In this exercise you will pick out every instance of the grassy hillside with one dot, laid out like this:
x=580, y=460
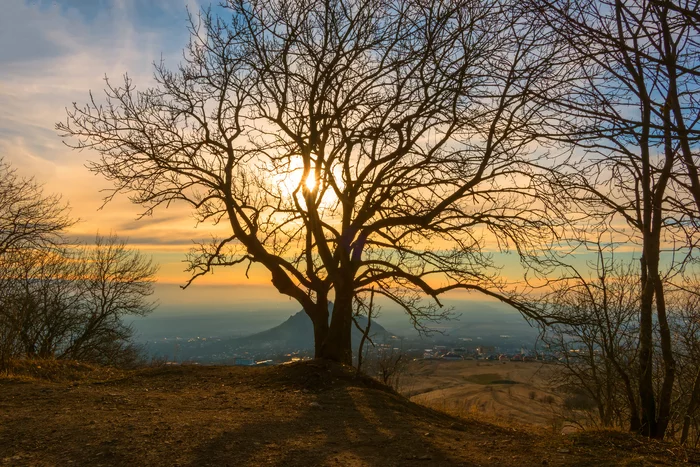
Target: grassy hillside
x=510, y=392
x=305, y=414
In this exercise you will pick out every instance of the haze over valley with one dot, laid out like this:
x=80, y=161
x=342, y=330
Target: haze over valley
x=188, y=322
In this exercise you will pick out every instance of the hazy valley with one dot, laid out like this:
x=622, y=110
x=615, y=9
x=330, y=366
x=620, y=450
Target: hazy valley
x=240, y=327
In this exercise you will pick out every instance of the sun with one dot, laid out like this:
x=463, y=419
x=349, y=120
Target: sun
x=310, y=181
x=292, y=181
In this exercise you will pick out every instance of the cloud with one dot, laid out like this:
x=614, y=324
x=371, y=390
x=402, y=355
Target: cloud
x=180, y=239
x=60, y=50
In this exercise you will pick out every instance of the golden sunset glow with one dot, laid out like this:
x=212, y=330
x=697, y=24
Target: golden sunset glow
x=310, y=181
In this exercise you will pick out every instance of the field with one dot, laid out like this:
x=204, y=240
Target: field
x=510, y=392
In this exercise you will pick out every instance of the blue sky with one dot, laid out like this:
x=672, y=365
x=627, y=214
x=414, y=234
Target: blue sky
x=53, y=53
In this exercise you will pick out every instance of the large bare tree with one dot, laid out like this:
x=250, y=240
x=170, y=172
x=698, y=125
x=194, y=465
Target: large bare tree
x=346, y=144
x=631, y=110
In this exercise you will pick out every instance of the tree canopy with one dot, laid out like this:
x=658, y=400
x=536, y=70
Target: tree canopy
x=348, y=144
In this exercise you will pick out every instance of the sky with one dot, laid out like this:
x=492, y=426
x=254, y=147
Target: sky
x=59, y=51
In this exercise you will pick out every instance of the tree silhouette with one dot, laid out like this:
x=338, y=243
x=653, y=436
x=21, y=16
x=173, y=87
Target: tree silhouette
x=28, y=218
x=631, y=110
x=348, y=144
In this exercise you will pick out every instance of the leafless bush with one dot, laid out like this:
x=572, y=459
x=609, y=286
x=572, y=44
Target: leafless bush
x=59, y=300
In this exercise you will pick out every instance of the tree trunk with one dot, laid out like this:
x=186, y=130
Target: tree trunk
x=692, y=407
x=646, y=345
x=635, y=424
x=338, y=344
x=319, y=318
x=365, y=331
x=666, y=393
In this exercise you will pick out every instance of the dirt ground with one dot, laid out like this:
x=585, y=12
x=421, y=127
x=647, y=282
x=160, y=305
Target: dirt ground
x=305, y=414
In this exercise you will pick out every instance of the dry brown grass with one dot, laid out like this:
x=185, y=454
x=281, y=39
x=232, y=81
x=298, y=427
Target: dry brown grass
x=505, y=393
x=59, y=371
x=308, y=414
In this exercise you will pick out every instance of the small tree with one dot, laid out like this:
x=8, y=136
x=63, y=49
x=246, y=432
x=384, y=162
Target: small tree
x=70, y=302
x=347, y=144
x=29, y=221
x=596, y=338
x=391, y=364
x=684, y=308
x=28, y=218
x=114, y=282
x=57, y=299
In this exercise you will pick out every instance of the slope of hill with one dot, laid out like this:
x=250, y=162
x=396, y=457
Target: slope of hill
x=518, y=392
x=298, y=333
x=306, y=414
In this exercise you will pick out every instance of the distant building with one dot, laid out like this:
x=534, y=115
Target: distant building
x=452, y=356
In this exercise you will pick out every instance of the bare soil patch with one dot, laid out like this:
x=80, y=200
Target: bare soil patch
x=307, y=414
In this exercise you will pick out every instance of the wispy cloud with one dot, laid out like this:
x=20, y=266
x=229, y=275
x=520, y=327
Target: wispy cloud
x=59, y=50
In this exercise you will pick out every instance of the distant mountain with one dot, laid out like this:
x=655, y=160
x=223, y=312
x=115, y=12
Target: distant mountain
x=298, y=333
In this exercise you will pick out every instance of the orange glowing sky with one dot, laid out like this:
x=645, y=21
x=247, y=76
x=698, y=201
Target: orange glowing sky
x=60, y=50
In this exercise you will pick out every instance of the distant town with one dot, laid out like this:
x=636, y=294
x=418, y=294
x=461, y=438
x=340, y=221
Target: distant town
x=223, y=351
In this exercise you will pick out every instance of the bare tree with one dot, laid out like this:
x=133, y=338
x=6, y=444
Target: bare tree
x=684, y=309
x=596, y=337
x=631, y=109
x=346, y=144
x=28, y=218
x=115, y=282
x=70, y=302
x=59, y=299
x=45, y=299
